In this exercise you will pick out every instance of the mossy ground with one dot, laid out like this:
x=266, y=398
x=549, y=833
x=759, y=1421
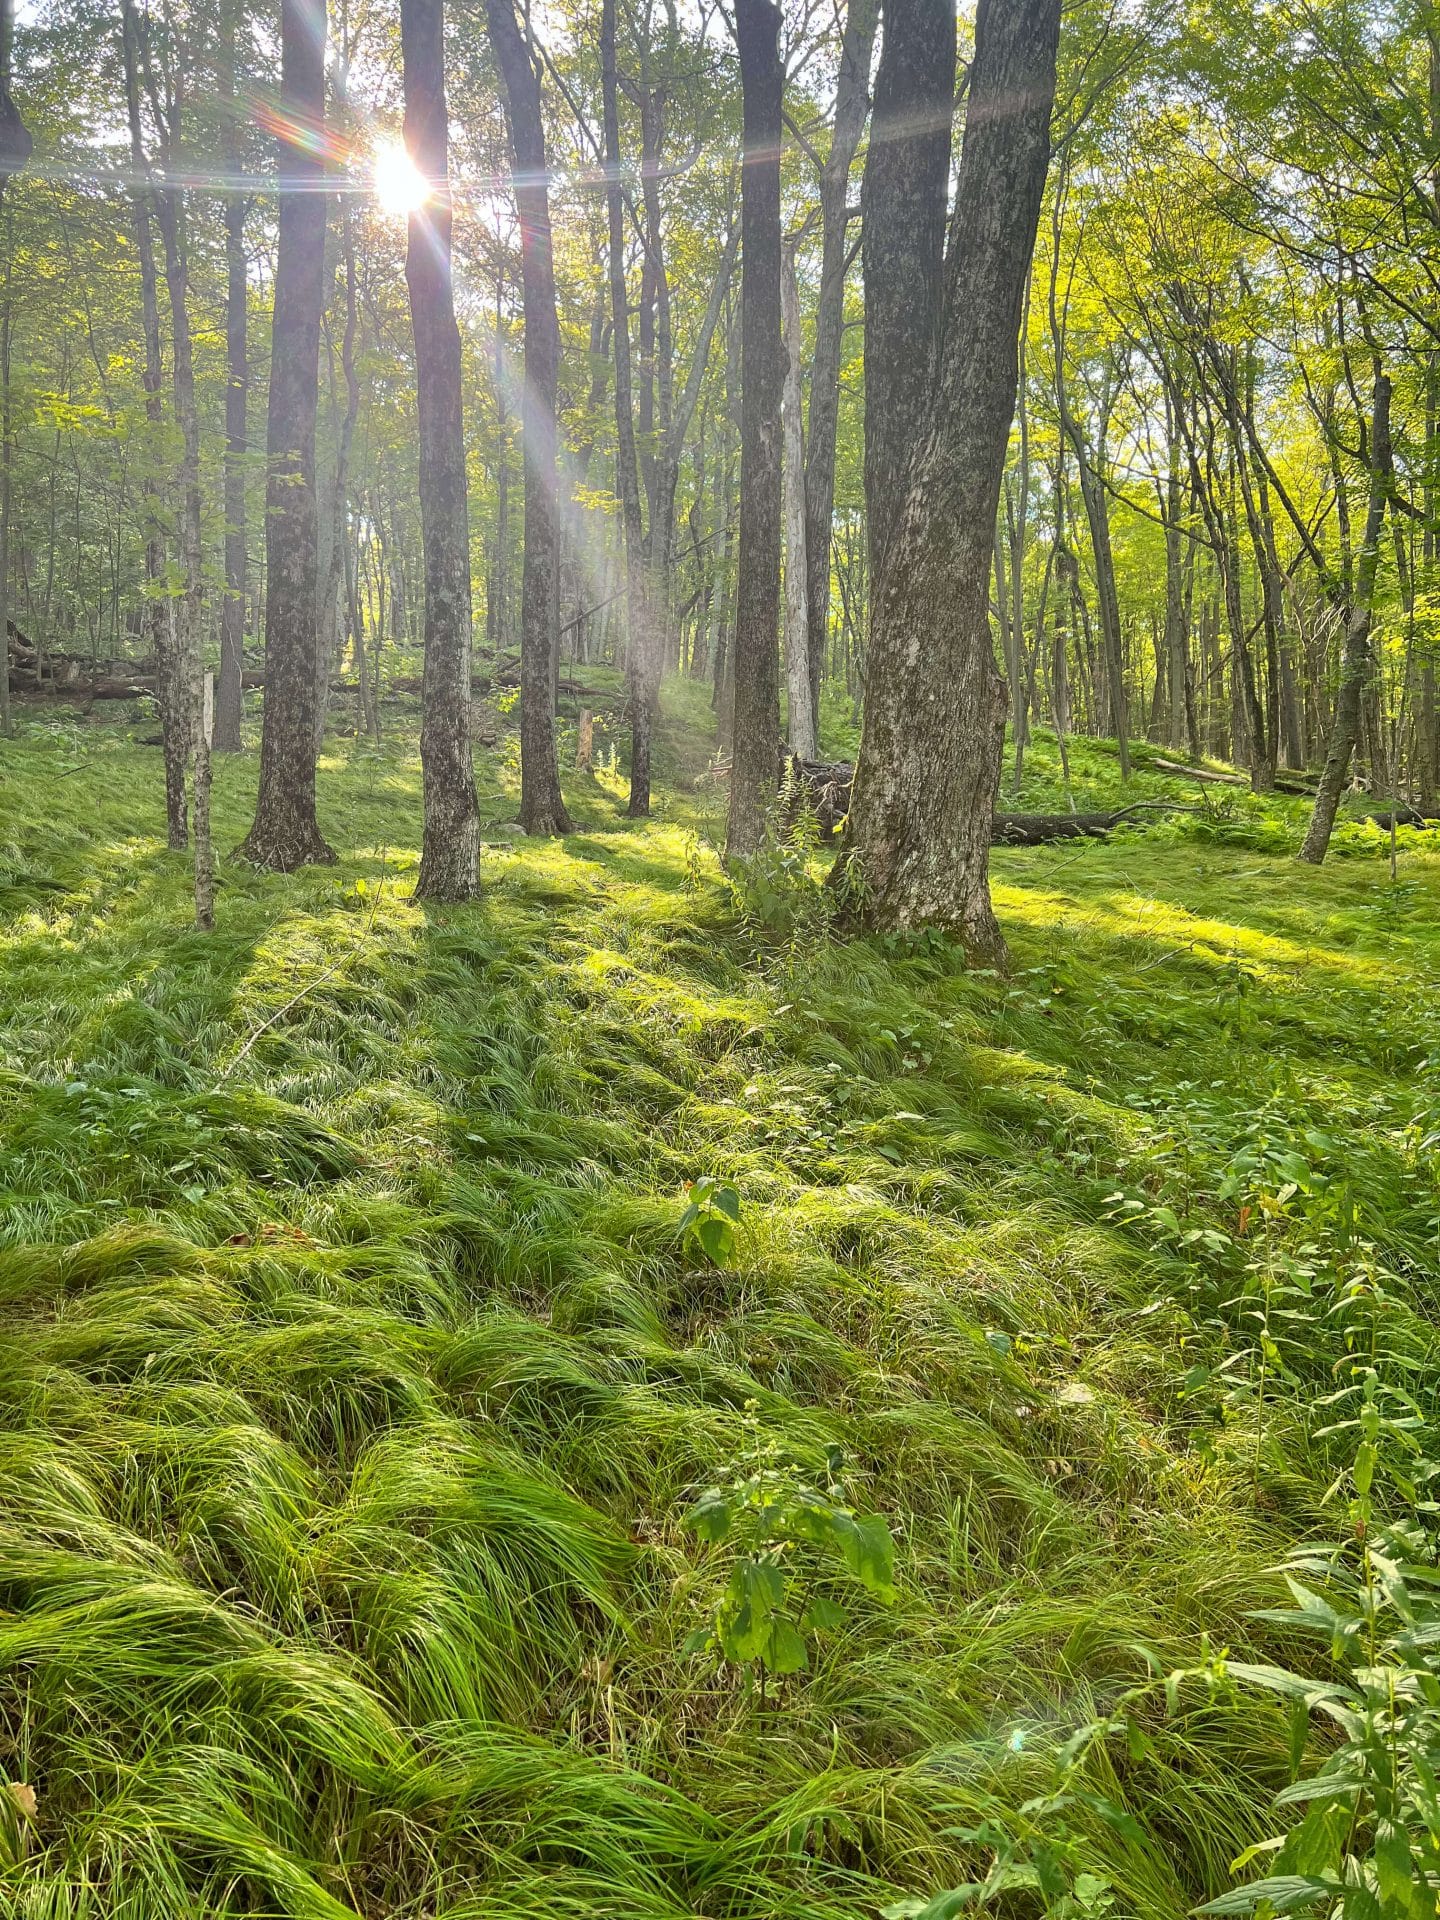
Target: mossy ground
x=355, y=1383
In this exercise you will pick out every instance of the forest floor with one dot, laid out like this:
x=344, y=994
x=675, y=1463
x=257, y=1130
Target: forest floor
x=357, y=1373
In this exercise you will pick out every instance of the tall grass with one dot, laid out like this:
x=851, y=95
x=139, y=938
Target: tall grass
x=356, y=1378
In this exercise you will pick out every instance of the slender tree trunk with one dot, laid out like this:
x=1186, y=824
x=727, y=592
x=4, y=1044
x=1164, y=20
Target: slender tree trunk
x=15, y=141
x=7, y=718
x=286, y=833
x=169, y=688
x=929, y=762
x=229, y=693
x=852, y=103
x=542, y=809
x=450, y=853
x=801, y=733
x=1357, y=660
x=639, y=641
x=756, y=662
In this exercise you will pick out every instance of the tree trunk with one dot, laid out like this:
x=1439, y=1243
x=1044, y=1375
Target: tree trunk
x=929, y=765
x=15, y=141
x=169, y=689
x=542, y=809
x=450, y=852
x=229, y=693
x=639, y=641
x=756, y=661
x=286, y=833
x=801, y=732
x=1357, y=661
x=7, y=719
x=852, y=103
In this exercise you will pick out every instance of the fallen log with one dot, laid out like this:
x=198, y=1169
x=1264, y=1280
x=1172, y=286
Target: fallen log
x=1037, y=829
x=824, y=785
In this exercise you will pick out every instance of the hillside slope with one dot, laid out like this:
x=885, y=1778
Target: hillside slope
x=357, y=1377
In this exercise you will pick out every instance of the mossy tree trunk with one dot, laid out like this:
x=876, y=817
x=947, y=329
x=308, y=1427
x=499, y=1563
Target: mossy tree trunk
x=450, y=851
x=286, y=833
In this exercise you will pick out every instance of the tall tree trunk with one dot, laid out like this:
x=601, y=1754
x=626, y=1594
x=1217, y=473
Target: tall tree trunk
x=450, y=852
x=801, y=733
x=16, y=144
x=756, y=658
x=169, y=688
x=852, y=103
x=1357, y=660
x=7, y=719
x=639, y=641
x=286, y=833
x=1176, y=644
x=542, y=809
x=229, y=692
x=929, y=762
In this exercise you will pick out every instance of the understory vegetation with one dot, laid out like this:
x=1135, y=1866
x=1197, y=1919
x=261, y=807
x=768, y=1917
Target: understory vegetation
x=420, y=1325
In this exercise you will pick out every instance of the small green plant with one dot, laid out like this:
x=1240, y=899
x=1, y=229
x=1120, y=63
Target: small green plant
x=776, y=890
x=1367, y=1844
x=711, y=1220
x=785, y=1535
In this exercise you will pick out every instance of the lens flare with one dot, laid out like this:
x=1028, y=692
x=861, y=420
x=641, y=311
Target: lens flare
x=400, y=187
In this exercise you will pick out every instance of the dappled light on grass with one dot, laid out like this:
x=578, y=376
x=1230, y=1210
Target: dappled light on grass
x=359, y=1377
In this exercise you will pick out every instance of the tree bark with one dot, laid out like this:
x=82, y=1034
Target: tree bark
x=852, y=103
x=450, y=852
x=929, y=764
x=1357, y=660
x=800, y=697
x=229, y=692
x=639, y=641
x=169, y=688
x=756, y=663
x=542, y=809
x=286, y=833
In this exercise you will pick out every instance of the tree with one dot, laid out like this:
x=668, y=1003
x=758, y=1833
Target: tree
x=450, y=854
x=229, y=691
x=852, y=103
x=1357, y=660
x=756, y=666
x=918, y=842
x=542, y=807
x=286, y=833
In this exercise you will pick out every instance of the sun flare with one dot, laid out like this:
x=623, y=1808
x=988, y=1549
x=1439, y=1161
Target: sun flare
x=400, y=187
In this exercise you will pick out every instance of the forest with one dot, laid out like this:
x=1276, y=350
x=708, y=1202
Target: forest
x=719, y=959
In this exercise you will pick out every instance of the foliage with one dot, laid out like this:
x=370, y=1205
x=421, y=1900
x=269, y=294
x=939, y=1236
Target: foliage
x=782, y=1529
x=355, y=1390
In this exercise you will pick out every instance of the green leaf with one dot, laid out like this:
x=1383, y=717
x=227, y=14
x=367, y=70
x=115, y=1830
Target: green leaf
x=727, y=1201
x=785, y=1649
x=1286, y=1892
x=821, y=1615
x=711, y=1515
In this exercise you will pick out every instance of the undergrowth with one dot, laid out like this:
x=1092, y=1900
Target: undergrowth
x=363, y=1367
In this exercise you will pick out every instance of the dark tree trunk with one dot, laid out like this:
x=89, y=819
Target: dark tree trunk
x=542, y=808
x=229, y=694
x=286, y=833
x=450, y=852
x=756, y=659
x=852, y=101
x=1357, y=660
x=929, y=765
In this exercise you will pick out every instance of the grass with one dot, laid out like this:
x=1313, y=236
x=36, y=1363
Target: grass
x=355, y=1381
